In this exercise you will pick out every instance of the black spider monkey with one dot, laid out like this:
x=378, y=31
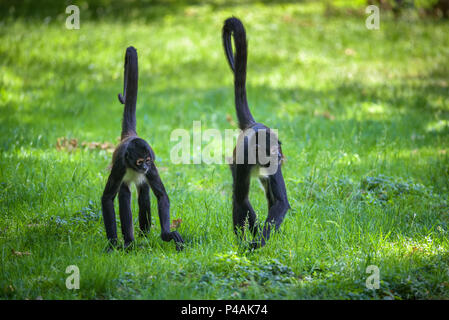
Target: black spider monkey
x=133, y=162
x=273, y=182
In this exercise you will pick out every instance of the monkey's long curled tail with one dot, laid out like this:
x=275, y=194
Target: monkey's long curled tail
x=129, y=98
x=234, y=26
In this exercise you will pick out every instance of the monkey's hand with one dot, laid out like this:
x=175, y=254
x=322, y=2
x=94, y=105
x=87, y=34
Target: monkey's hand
x=176, y=237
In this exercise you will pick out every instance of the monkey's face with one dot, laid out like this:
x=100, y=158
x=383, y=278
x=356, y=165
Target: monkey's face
x=138, y=156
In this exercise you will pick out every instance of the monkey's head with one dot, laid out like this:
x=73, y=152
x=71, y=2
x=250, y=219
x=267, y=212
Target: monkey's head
x=138, y=155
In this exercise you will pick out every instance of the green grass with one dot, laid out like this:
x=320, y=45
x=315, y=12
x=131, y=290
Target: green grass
x=364, y=121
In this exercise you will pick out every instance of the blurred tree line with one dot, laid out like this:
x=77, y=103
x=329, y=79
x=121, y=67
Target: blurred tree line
x=94, y=9
x=150, y=9
x=435, y=8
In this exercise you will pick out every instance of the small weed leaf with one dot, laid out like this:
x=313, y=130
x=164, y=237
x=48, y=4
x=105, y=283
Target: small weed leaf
x=232, y=258
x=244, y=272
x=381, y=189
x=87, y=216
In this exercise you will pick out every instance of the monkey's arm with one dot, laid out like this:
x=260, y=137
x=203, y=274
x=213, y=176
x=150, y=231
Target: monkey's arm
x=278, y=209
x=163, y=206
x=107, y=201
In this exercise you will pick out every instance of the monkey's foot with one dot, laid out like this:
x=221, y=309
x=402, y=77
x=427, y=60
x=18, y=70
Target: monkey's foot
x=257, y=244
x=112, y=245
x=144, y=232
x=128, y=246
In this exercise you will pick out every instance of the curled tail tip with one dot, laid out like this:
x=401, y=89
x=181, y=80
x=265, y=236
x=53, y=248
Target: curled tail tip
x=121, y=98
x=234, y=24
x=232, y=20
x=234, y=27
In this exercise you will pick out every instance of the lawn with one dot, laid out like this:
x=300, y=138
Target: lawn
x=363, y=116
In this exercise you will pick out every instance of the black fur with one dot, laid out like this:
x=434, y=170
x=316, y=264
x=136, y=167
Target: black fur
x=273, y=184
x=127, y=157
x=131, y=76
x=234, y=26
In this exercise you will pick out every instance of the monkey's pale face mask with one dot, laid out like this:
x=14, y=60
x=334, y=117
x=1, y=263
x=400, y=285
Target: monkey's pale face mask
x=143, y=164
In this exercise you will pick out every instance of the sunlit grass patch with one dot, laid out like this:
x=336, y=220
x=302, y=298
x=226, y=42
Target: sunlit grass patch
x=362, y=116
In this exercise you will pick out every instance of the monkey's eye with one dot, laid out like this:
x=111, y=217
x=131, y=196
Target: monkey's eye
x=148, y=160
x=139, y=162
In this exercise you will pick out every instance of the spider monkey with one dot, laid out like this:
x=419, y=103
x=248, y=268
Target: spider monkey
x=133, y=162
x=255, y=135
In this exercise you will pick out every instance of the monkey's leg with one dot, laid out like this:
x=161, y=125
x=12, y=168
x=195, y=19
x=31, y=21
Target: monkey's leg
x=268, y=194
x=278, y=209
x=126, y=217
x=107, y=202
x=241, y=206
x=268, y=191
x=144, y=208
x=163, y=207
x=252, y=217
